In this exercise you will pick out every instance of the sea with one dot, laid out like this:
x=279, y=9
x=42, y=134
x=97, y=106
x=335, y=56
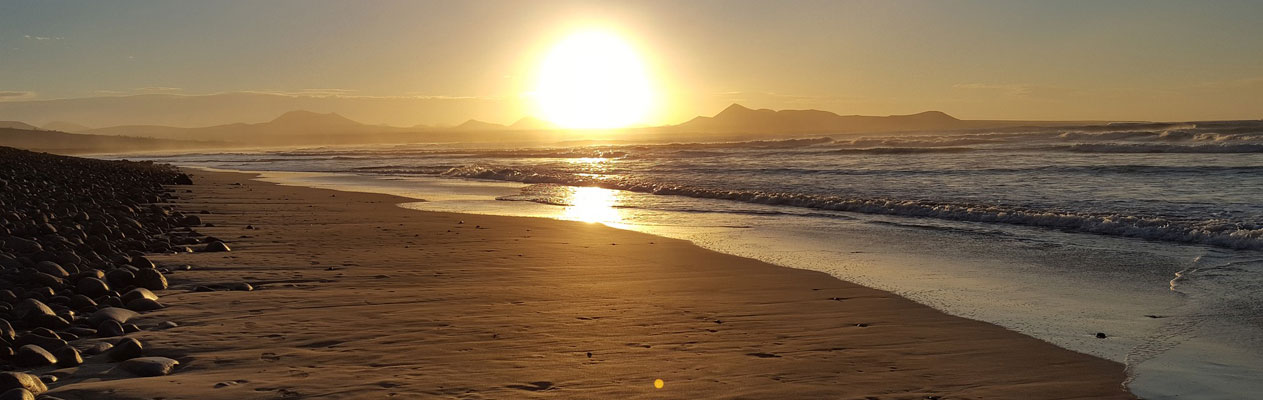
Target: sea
x=1140, y=243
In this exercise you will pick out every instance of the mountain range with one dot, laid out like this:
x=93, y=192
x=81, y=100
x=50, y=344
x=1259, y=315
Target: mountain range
x=313, y=128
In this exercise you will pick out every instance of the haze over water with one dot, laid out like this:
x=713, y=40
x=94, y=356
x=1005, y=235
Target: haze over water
x=1150, y=233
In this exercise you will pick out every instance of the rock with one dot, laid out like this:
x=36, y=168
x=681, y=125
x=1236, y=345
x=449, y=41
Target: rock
x=241, y=286
x=120, y=278
x=68, y=357
x=32, y=356
x=6, y=331
x=109, y=329
x=82, y=303
x=43, y=279
x=167, y=325
x=43, y=341
x=17, y=394
x=182, y=179
x=216, y=246
x=21, y=380
x=92, y=287
x=30, y=308
x=120, y=315
x=1100, y=335
x=191, y=220
x=143, y=304
x=126, y=349
x=97, y=348
x=51, y=268
x=50, y=321
x=151, y=279
x=149, y=366
x=142, y=263
x=139, y=293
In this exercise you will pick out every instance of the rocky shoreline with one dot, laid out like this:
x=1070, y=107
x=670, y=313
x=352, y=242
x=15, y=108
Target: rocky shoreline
x=74, y=276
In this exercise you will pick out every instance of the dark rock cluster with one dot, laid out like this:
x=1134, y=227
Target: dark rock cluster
x=74, y=233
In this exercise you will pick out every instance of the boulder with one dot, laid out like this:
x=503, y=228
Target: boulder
x=21, y=380
x=143, y=304
x=32, y=356
x=120, y=315
x=68, y=357
x=29, y=308
x=92, y=287
x=109, y=328
x=139, y=293
x=126, y=349
x=52, y=268
x=17, y=394
x=149, y=366
x=150, y=279
x=216, y=246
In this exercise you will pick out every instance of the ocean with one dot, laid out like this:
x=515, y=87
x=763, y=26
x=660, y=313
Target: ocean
x=1149, y=233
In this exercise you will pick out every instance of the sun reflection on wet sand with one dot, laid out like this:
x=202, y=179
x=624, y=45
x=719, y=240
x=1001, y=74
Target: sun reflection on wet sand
x=592, y=204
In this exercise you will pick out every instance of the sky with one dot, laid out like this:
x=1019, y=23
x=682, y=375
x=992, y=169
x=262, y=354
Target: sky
x=1047, y=60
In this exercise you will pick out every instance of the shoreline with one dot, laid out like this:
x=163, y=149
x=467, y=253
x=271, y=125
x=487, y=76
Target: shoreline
x=512, y=306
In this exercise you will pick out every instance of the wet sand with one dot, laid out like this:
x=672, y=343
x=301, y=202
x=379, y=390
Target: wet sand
x=356, y=297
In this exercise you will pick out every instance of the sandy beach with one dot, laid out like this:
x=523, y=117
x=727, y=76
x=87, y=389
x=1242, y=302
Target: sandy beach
x=355, y=297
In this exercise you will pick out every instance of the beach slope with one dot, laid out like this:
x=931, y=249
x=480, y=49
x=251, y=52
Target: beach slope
x=355, y=297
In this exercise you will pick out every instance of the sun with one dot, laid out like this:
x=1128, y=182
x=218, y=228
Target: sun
x=593, y=80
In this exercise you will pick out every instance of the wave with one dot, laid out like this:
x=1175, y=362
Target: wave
x=1161, y=148
x=902, y=150
x=1215, y=232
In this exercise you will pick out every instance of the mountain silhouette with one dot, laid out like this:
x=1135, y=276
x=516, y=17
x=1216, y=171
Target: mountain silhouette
x=532, y=123
x=17, y=125
x=740, y=119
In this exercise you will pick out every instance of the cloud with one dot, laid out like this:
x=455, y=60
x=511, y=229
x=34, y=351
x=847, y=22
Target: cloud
x=29, y=37
x=1018, y=89
x=13, y=95
x=157, y=89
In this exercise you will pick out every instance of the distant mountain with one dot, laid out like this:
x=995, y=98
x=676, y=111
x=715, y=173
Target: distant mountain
x=476, y=125
x=252, y=107
x=74, y=143
x=532, y=123
x=294, y=127
x=64, y=126
x=738, y=118
x=17, y=125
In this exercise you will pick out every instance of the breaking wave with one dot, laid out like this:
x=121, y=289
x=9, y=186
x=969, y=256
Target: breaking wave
x=1214, y=232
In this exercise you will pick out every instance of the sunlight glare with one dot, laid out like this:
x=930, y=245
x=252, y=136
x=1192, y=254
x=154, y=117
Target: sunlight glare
x=592, y=204
x=593, y=80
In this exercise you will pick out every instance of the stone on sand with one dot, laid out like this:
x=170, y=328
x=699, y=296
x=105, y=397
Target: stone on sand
x=68, y=356
x=21, y=380
x=126, y=349
x=216, y=246
x=149, y=366
x=139, y=293
x=109, y=328
x=17, y=394
x=92, y=287
x=151, y=279
x=120, y=315
x=33, y=356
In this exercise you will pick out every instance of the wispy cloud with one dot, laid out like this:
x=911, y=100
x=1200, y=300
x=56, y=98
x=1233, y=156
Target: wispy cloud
x=32, y=37
x=13, y=95
x=157, y=89
x=1017, y=89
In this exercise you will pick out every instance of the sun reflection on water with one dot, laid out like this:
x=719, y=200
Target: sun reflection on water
x=592, y=204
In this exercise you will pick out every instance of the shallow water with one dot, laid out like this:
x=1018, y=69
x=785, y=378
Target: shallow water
x=1148, y=233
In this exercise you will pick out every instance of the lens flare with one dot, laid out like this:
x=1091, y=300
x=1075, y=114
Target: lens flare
x=593, y=80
